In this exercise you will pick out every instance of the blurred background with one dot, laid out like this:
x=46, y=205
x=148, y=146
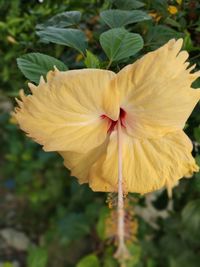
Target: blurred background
x=46, y=217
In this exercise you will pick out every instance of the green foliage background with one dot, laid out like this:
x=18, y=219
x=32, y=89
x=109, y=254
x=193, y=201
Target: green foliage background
x=64, y=221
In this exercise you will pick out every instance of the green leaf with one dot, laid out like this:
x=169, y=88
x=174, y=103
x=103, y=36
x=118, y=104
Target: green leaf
x=196, y=83
x=33, y=65
x=115, y=18
x=70, y=37
x=191, y=216
x=91, y=61
x=109, y=260
x=7, y=264
x=101, y=224
x=135, y=254
x=172, y=23
x=160, y=34
x=37, y=257
x=89, y=261
x=73, y=226
x=160, y=6
x=128, y=4
x=119, y=44
x=188, y=43
x=196, y=181
x=197, y=134
x=62, y=20
x=151, y=263
x=197, y=158
x=188, y=258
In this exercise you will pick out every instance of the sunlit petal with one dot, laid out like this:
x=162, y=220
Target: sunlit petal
x=81, y=163
x=156, y=92
x=64, y=113
x=148, y=164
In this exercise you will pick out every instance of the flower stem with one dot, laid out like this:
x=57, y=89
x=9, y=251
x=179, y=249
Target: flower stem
x=122, y=251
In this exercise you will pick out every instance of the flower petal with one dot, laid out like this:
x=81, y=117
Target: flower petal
x=156, y=92
x=80, y=163
x=64, y=114
x=148, y=164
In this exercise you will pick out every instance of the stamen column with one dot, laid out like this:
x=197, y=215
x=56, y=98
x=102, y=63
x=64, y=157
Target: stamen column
x=122, y=252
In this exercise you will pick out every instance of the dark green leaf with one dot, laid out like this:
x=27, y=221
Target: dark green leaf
x=191, y=216
x=196, y=83
x=160, y=34
x=128, y=4
x=118, y=43
x=89, y=261
x=117, y=18
x=33, y=65
x=70, y=37
x=172, y=22
x=197, y=134
x=62, y=20
x=160, y=6
x=73, y=226
x=188, y=258
x=109, y=260
x=101, y=224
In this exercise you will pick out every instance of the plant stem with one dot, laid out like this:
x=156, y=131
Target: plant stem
x=109, y=64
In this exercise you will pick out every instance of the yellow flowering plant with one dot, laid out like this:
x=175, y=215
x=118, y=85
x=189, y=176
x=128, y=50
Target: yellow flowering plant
x=119, y=131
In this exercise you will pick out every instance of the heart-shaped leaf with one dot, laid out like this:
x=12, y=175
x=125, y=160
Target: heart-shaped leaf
x=33, y=65
x=70, y=37
x=118, y=43
x=61, y=20
x=160, y=34
x=115, y=18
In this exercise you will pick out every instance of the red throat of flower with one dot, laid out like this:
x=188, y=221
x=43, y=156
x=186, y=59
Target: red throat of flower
x=112, y=124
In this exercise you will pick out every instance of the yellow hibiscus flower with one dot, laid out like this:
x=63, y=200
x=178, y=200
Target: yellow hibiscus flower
x=85, y=114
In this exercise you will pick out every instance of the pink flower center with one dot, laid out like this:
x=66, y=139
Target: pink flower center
x=112, y=123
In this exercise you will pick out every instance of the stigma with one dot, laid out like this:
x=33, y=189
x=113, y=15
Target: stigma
x=112, y=124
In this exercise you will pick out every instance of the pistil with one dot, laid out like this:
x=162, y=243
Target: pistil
x=122, y=252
